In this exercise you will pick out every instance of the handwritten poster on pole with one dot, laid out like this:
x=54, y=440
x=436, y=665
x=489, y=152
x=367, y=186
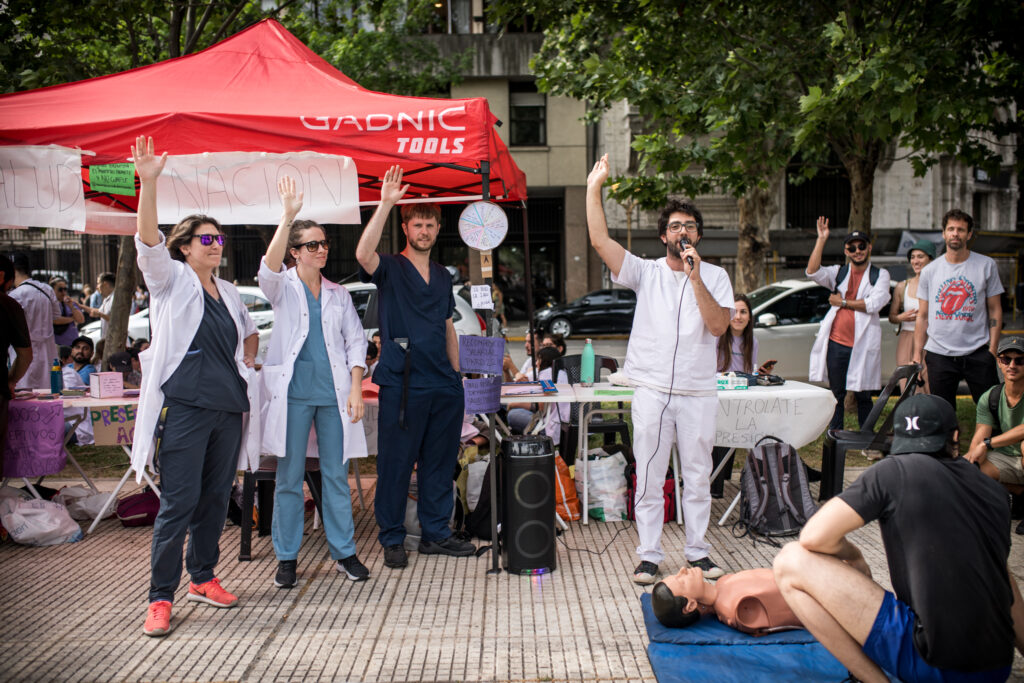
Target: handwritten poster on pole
x=113, y=178
x=483, y=395
x=41, y=187
x=241, y=187
x=482, y=297
x=35, y=439
x=113, y=425
x=481, y=354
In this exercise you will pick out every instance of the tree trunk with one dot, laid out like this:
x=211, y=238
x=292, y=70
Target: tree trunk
x=861, y=164
x=124, y=290
x=757, y=209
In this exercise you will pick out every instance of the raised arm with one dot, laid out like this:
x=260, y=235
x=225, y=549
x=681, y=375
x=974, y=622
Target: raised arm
x=291, y=203
x=610, y=251
x=149, y=167
x=391, y=190
x=814, y=261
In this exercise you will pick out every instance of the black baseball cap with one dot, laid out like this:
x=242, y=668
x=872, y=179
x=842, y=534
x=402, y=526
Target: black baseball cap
x=922, y=424
x=857, y=235
x=1011, y=343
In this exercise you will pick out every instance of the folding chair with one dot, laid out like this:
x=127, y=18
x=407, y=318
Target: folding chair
x=570, y=430
x=838, y=441
x=261, y=483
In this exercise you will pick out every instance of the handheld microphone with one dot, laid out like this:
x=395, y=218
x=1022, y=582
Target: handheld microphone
x=685, y=243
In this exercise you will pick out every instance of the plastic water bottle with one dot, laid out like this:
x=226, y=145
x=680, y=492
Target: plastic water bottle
x=587, y=365
x=56, y=377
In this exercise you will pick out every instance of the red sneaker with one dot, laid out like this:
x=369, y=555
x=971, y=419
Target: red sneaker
x=211, y=593
x=158, y=619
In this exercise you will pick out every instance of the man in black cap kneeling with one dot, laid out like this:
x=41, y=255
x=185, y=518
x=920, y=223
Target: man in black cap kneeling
x=956, y=613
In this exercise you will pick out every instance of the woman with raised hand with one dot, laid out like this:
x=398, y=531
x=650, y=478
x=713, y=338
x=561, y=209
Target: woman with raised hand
x=313, y=373
x=197, y=389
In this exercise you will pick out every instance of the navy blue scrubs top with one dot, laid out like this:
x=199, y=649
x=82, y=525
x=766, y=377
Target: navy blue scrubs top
x=411, y=308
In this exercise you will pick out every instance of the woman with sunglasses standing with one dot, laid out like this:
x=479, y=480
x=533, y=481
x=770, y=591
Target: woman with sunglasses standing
x=65, y=328
x=313, y=374
x=197, y=389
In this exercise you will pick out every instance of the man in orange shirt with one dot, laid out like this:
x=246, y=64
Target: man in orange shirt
x=845, y=351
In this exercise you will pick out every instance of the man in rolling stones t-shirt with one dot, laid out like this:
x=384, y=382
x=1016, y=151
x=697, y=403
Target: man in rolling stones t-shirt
x=959, y=314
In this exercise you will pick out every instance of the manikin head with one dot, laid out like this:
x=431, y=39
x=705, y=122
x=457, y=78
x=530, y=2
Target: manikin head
x=421, y=223
x=680, y=601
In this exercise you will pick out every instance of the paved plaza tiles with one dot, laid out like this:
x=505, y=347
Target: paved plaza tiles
x=74, y=612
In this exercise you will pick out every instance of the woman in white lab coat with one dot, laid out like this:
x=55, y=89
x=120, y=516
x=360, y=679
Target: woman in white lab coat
x=194, y=424
x=313, y=375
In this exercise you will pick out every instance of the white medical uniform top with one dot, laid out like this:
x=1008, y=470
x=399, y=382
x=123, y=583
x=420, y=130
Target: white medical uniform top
x=667, y=319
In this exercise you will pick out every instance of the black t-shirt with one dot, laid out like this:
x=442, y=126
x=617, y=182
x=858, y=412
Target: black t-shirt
x=411, y=308
x=945, y=527
x=13, y=333
x=208, y=375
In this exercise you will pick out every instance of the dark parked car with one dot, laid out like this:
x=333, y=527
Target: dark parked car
x=604, y=310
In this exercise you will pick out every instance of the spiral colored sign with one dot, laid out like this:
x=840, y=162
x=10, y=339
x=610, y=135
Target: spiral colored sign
x=483, y=225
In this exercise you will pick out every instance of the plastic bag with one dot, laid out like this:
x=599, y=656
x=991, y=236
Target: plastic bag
x=38, y=522
x=606, y=501
x=83, y=503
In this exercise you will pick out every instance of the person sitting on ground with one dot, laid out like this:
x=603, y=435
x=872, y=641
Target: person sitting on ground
x=996, y=446
x=520, y=414
x=371, y=359
x=81, y=358
x=127, y=363
x=749, y=601
x=957, y=611
x=140, y=345
x=67, y=369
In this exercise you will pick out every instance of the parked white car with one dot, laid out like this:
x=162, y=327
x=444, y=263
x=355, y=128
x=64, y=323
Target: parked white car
x=787, y=316
x=253, y=298
x=364, y=296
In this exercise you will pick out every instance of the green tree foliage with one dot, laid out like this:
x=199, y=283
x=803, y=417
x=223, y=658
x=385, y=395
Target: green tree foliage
x=730, y=90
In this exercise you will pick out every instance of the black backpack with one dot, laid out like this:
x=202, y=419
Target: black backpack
x=993, y=408
x=775, y=499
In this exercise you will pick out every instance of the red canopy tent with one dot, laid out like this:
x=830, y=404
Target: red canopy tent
x=262, y=90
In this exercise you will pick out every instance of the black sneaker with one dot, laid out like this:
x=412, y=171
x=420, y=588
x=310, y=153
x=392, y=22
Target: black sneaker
x=352, y=568
x=285, y=577
x=395, y=557
x=710, y=569
x=645, y=573
x=449, y=546
x=1017, y=506
x=1020, y=529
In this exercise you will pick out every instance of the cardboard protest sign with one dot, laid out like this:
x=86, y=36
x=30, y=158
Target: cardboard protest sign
x=481, y=354
x=113, y=425
x=483, y=395
x=35, y=439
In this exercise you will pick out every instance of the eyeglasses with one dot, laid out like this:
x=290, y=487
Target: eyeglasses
x=856, y=246
x=1011, y=360
x=207, y=240
x=676, y=226
x=314, y=246
x=60, y=289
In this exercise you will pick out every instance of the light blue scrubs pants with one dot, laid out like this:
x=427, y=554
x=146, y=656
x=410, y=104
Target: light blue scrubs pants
x=289, y=500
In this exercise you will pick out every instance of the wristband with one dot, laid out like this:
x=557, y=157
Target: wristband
x=988, y=442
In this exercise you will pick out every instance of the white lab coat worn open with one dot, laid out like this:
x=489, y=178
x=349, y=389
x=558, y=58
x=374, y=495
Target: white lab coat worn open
x=865, y=372
x=176, y=310
x=346, y=348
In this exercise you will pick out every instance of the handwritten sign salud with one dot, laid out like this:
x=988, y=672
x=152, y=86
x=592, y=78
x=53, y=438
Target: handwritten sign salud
x=481, y=354
x=241, y=187
x=113, y=425
x=41, y=187
x=35, y=439
x=483, y=395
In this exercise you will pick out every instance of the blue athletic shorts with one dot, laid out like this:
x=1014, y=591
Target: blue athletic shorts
x=890, y=645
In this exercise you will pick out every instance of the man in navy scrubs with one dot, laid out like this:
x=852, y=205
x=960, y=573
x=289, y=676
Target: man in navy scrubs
x=421, y=401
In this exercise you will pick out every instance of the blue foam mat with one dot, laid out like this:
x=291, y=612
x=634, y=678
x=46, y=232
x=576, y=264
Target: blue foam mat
x=712, y=651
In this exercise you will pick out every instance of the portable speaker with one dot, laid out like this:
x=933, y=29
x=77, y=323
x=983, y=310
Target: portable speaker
x=528, y=499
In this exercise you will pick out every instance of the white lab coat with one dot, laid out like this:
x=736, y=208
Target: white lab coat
x=176, y=310
x=346, y=348
x=40, y=305
x=865, y=372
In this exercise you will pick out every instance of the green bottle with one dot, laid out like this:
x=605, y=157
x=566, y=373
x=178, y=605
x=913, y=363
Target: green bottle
x=587, y=365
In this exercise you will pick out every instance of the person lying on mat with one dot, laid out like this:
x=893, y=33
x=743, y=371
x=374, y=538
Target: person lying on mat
x=748, y=601
x=956, y=613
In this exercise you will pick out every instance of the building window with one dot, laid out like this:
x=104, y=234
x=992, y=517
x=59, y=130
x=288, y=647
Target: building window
x=527, y=115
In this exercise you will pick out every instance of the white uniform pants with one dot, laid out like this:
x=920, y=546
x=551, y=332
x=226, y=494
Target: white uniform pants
x=659, y=419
